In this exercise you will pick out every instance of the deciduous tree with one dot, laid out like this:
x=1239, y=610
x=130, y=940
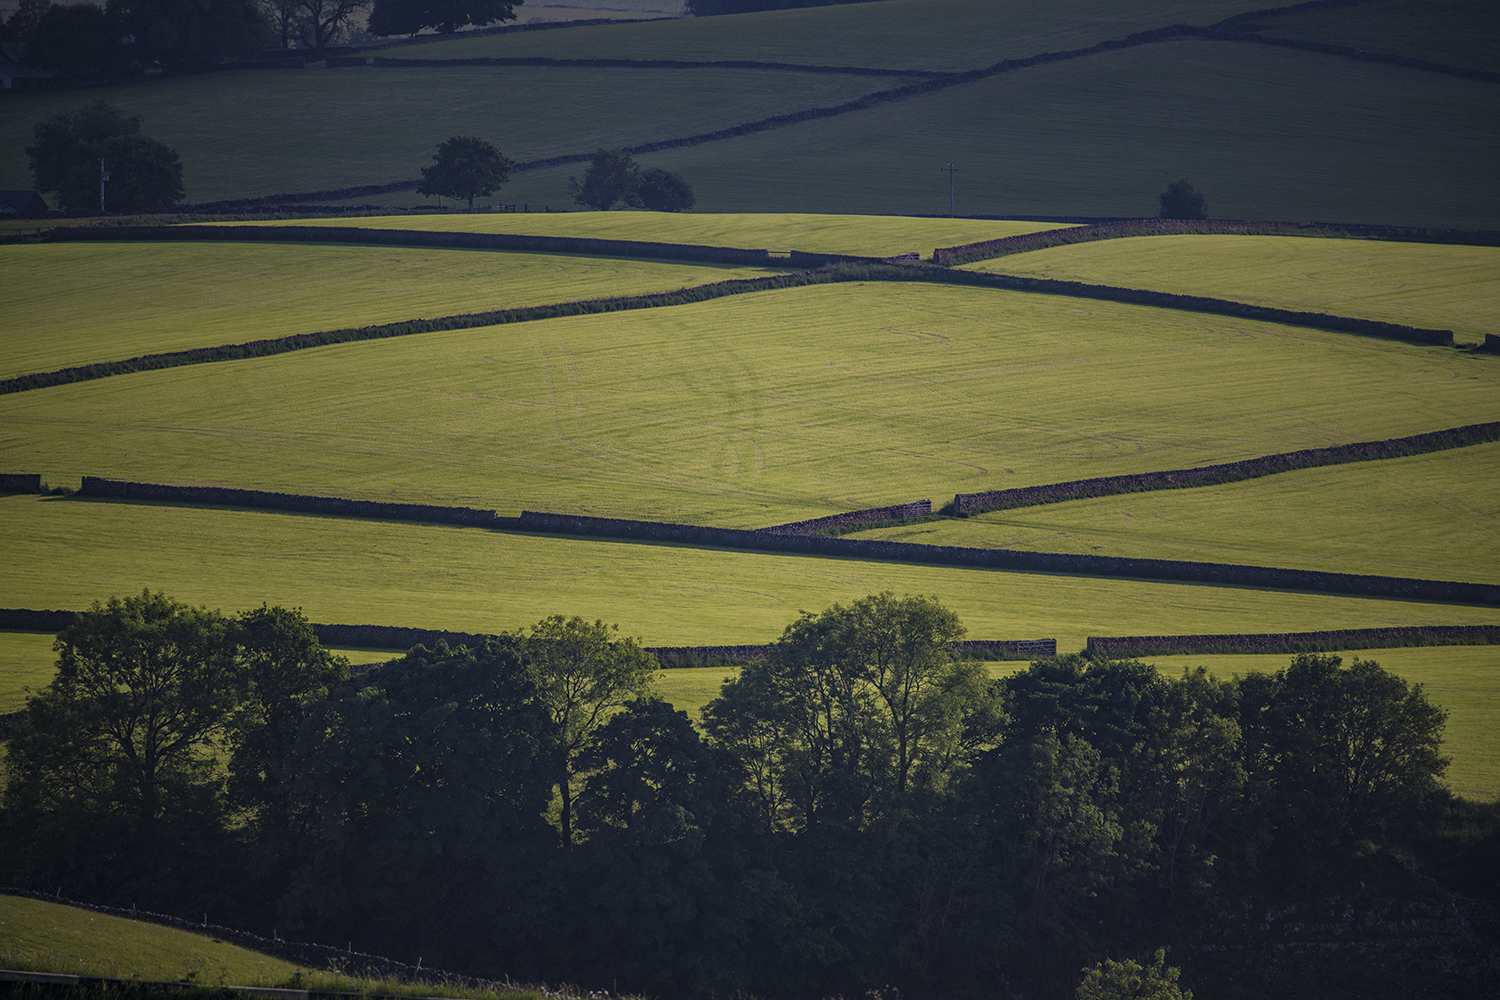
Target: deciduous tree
x=144, y=174
x=1182, y=201
x=465, y=167
x=407, y=17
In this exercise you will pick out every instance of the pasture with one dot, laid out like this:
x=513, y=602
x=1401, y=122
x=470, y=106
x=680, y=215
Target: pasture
x=67, y=553
x=1410, y=27
x=48, y=937
x=857, y=235
x=729, y=413
x=1420, y=284
x=944, y=35
x=1426, y=516
x=175, y=296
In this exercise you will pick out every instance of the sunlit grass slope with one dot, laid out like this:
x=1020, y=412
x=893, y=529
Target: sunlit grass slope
x=1266, y=133
x=1459, y=679
x=48, y=937
x=729, y=412
x=72, y=304
x=859, y=235
x=946, y=35
x=1420, y=284
x=1428, y=516
x=69, y=553
x=752, y=410
x=272, y=131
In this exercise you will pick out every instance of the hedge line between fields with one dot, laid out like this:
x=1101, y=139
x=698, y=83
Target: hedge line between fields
x=94, y=486
x=381, y=331
x=1228, y=472
x=1225, y=574
x=348, y=62
x=1295, y=642
x=1027, y=242
x=20, y=482
x=870, y=515
x=1183, y=303
x=842, y=269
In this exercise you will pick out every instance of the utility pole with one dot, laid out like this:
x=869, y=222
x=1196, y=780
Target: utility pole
x=951, y=167
x=103, y=176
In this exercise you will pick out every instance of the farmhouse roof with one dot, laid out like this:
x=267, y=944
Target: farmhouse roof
x=15, y=74
x=21, y=205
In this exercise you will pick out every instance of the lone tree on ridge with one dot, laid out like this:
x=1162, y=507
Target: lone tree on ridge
x=465, y=166
x=1182, y=201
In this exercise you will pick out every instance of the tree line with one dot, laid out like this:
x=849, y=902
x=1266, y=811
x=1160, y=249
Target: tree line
x=860, y=810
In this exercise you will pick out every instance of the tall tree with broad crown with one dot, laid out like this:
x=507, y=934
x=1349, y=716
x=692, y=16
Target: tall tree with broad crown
x=465, y=167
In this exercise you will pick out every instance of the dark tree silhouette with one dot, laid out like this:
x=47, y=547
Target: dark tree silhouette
x=465, y=166
x=1181, y=201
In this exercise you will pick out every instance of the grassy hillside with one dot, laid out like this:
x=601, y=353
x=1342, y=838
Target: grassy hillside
x=1428, y=516
x=946, y=35
x=1266, y=133
x=728, y=413
x=858, y=235
x=1454, y=32
x=269, y=131
x=168, y=297
x=1447, y=287
x=68, y=553
x=47, y=937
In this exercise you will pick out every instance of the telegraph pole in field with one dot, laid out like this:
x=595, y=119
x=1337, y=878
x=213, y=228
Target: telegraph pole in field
x=951, y=167
x=103, y=176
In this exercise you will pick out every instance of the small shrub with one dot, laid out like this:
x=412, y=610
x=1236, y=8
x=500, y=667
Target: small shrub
x=1182, y=201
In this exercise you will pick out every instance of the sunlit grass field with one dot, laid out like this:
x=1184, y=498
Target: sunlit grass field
x=1427, y=516
x=1459, y=679
x=752, y=410
x=77, y=303
x=1420, y=284
x=48, y=937
x=67, y=553
x=858, y=235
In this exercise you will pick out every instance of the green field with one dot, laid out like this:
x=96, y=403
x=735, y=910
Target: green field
x=47, y=937
x=859, y=235
x=1266, y=133
x=173, y=296
x=1428, y=516
x=946, y=35
x=1460, y=679
x=1420, y=284
x=264, y=132
x=1453, y=32
x=67, y=553
x=729, y=413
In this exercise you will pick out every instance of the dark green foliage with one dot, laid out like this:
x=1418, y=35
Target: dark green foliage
x=64, y=159
x=78, y=41
x=610, y=180
x=407, y=17
x=1182, y=201
x=419, y=795
x=183, y=33
x=663, y=191
x=465, y=166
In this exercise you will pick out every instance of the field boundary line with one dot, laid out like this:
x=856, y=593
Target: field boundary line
x=970, y=253
x=823, y=269
x=1465, y=436
x=1337, y=640
x=377, y=62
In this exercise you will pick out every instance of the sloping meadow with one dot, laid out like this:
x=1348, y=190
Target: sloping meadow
x=752, y=410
